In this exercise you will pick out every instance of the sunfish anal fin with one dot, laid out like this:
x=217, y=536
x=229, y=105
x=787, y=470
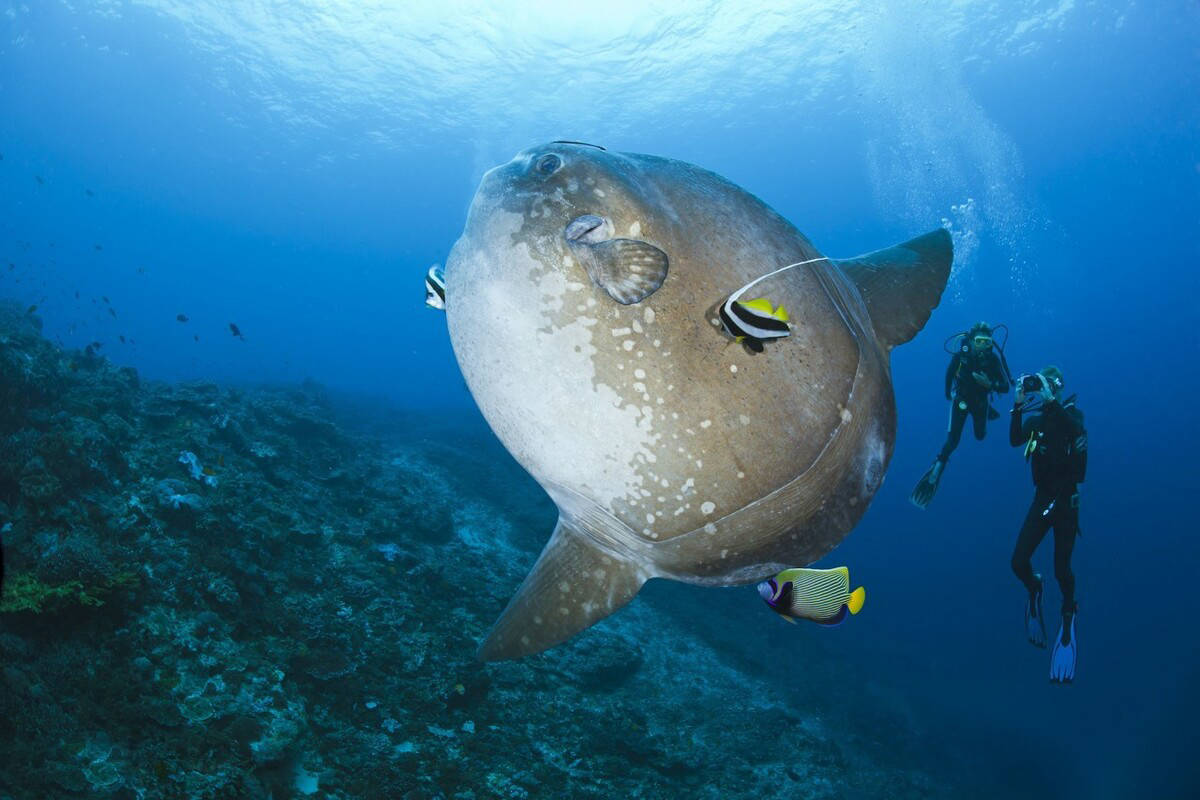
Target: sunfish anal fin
x=903, y=284
x=628, y=269
x=573, y=585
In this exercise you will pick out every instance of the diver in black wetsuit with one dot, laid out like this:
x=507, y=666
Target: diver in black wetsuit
x=976, y=370
x=1055, y=443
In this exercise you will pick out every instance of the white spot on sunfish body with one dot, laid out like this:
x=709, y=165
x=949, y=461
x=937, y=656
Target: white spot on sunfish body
x=708, y=507
x=710, y=528
x=733, y=367
x=621, y=332
x=648, y=315
x=599, y=192
x=650, y=519
x=639, y=373
x=846, y=415
x=635, y=229
x=708, y=422
x=743, y=419
x=506, y=292
x=627, y=345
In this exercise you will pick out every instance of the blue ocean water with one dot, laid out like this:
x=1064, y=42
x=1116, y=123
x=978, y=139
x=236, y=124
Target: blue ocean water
x=295, y=168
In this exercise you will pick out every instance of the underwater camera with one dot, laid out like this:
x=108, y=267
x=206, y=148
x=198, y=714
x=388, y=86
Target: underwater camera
x=1032, y=384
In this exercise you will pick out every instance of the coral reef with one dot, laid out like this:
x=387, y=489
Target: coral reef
x=304, y=624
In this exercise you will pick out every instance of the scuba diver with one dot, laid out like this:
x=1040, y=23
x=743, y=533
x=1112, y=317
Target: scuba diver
x=977, y=369
x=1055, y=443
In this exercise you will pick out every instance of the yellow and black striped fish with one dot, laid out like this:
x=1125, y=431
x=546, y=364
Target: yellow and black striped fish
x=754, y=321
x=820, y=595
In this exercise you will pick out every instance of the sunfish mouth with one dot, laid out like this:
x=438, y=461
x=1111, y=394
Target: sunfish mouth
x=588, y=229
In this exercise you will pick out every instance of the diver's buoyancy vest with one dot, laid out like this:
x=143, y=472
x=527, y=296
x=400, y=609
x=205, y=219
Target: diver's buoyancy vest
x=1059, y=456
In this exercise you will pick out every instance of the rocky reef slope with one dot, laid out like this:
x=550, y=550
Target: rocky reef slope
x=228, y=593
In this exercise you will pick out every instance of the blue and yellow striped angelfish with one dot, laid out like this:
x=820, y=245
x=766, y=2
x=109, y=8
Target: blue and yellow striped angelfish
x=821, y=595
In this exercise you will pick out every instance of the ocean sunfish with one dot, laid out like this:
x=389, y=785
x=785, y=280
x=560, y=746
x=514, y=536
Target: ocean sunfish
x=587, y=287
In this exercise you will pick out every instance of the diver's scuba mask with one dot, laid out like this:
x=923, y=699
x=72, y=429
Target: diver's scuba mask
x=981, y=341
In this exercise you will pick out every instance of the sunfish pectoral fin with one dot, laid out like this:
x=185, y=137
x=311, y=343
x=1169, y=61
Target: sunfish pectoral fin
x=628, y=269
x=573, y=585
x=903, y=284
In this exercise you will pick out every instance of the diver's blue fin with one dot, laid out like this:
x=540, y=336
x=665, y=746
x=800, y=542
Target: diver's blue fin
x=926, y=488
x=1062, y=658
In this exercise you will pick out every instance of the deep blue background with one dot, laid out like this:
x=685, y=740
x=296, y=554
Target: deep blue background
x=209, y=202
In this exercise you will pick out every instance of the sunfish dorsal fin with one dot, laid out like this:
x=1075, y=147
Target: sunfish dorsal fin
x=573, y=585
x=903, y=284
x=628, y=269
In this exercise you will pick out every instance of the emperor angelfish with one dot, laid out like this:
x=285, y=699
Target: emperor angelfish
x=585, y=321
x=820, y=595
x=435, y=288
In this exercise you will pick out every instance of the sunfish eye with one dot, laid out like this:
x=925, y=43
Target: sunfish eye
x=548, y=163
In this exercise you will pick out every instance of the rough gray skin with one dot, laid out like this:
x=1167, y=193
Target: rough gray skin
x=670, y=450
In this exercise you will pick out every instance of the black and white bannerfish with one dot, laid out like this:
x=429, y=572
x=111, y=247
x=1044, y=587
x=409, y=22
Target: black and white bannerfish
x=821, y=595
x=435, y=288
x=753, y=322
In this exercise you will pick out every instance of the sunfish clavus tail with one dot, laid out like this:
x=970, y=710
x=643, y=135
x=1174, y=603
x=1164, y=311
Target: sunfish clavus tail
x=582, y=292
